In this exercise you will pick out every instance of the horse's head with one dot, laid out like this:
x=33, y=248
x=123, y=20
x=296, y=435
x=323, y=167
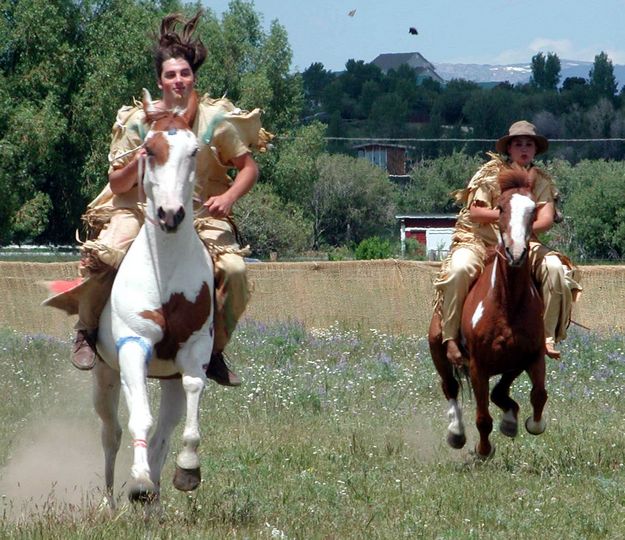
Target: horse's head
x=171, y=146
x=517, y=212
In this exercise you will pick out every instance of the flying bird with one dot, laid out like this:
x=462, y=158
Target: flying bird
x=351, y=13
x=413, y=31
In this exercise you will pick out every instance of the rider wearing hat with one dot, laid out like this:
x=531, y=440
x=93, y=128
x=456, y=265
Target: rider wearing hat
x=477, y=229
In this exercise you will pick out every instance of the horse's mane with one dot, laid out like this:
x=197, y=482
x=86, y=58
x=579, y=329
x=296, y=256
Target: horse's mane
x=168, y=117
x=515, y=177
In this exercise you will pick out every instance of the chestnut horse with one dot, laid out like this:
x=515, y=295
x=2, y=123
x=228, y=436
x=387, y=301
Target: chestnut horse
x=502, y=326
x=159, y=320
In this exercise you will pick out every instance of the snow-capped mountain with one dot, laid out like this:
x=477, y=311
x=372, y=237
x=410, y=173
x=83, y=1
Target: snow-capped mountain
x=517, y=73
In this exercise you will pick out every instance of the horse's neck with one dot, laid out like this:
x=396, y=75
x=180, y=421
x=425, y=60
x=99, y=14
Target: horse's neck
x=169, y=249
x=511, y=284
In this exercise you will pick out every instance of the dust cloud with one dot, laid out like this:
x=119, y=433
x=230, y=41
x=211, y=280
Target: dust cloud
x=57, y=465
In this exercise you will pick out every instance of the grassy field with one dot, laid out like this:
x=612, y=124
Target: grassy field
x=334, y=434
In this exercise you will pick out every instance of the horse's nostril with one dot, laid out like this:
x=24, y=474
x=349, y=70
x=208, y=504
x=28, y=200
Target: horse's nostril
x=160, y=213
x=179, y=216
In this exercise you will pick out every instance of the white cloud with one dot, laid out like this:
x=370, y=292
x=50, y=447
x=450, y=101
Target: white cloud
x=564, y=48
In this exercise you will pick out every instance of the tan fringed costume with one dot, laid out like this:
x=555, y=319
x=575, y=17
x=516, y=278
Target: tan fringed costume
x=554, y=273
x=113, y=221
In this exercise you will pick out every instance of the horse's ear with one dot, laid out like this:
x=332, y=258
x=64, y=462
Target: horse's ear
x=191, y=110
x=148, y=104
x=532, y=175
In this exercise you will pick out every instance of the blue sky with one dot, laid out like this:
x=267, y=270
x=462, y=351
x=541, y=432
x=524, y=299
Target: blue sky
x=457, y=31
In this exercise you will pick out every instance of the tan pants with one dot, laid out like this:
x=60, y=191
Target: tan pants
x=232, y=291
x=102, y=256
x=99, y=263
x=554, y=277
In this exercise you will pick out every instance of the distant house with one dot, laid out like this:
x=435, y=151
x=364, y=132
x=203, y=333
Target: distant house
x=424, y=69
x=389, y=157
x=434, y=231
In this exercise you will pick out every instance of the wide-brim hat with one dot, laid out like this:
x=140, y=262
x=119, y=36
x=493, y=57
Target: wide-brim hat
x=522, y=127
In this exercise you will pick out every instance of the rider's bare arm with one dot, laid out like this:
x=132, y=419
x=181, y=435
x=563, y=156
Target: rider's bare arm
x=479, y=213
x=124, y=179
x=544, y=218
x=221, y=205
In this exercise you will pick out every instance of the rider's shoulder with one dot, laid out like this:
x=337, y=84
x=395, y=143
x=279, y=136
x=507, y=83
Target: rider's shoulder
x=488, y=172
x=223, y=104
x=129, y=115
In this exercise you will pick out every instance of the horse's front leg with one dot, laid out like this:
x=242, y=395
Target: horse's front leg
x=484, y=422
x=187, y=476
x=106, y=387
x=170, y=412
x=536, y=424
x=133, y=357
x=500, y=396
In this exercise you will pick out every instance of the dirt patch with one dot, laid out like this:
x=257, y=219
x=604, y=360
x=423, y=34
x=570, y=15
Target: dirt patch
x=57, y=465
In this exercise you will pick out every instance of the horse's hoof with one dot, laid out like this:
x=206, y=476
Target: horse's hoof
x=509, y=428
x=142, y=492
x=456, y=440
x=535, y=428
x=485, y=457
x=187, y=479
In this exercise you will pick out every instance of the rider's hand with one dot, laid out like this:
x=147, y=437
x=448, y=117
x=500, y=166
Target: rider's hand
x=219, y=206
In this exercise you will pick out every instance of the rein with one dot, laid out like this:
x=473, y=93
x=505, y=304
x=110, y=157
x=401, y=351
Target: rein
x=142, y=170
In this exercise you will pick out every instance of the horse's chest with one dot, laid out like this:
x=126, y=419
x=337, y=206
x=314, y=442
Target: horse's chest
x=178, y=318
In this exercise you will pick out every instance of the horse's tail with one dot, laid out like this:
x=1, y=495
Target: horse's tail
x=461, y=374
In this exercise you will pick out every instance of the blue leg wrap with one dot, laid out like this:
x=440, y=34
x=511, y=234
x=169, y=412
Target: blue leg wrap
x=142, y=342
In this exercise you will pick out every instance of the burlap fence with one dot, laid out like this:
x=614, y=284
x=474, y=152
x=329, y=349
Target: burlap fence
x=391, y=296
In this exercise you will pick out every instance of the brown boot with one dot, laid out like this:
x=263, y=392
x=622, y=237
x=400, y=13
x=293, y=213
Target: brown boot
x=219, y=371
x=84, y=355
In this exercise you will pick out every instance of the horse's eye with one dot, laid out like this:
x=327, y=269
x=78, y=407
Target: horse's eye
x=195, y=151
x=149, y=151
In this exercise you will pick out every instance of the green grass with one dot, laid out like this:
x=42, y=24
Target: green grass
x=340, y=434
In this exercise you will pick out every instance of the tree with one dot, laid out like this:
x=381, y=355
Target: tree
x=545, y=71
x=602, y=81
x=388, y=115
x=251, y=66
x=451, y=102
x=296, y=170
x=538, y=70
x=39, y=64
x=315, y=79
x=433, y=181
x=352, y=200
x=491, y=112
x=594, y=206
x=268, y=224
x=552, y=71
x=356, y=74
x=65, y=69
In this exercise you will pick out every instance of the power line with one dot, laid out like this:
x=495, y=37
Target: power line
x=382, y=139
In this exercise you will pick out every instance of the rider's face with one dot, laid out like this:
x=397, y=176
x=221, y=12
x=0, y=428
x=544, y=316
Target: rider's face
x=522, y=150
x=176, y=81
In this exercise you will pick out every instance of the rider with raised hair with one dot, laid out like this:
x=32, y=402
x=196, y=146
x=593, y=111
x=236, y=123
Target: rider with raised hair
x=227, y=136
x=477, y=229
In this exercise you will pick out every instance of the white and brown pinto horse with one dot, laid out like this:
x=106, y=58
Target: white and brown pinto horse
x=502, y=326
x=159, y=320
